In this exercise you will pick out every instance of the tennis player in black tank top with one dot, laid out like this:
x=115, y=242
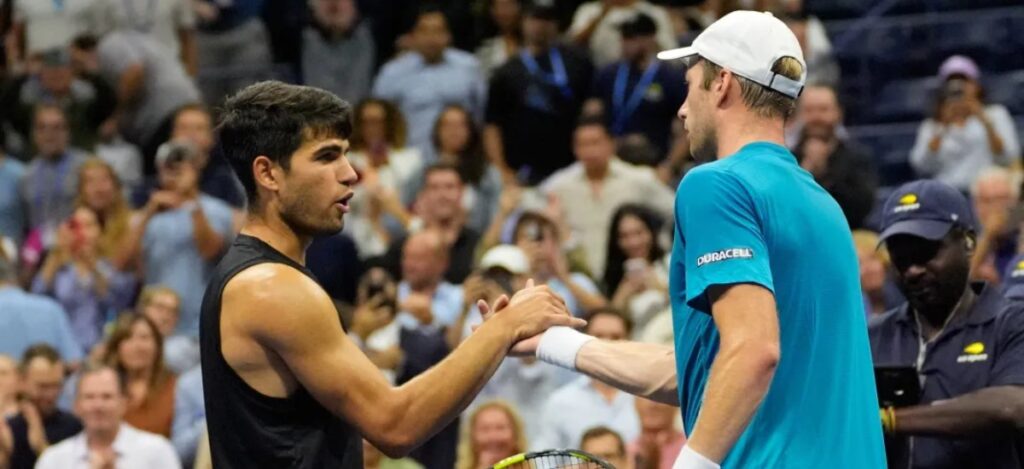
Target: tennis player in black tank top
x=285, y=387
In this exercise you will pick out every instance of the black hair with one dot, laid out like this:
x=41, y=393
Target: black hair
x=613, y=270
x=40, y=350
x=85, y=42
x=273, y=119
x=471, y=160
x=428, y=8
x=598, y=432
x=593, y=121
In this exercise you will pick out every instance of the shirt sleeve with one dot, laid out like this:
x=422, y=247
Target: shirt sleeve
x=921, y=158
x=1004, y=126
x=162, y=455
x=722, y=233
x=186, y=428
x=184, y=15
x=1008, y=368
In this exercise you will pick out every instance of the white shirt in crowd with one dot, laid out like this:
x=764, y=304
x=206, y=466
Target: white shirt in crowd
x=134, y=449
x=965, y=151
x=578, y=407
x=606, y=42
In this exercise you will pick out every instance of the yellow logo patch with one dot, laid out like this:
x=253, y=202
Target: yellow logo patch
x=975, y=348
x=908, y=199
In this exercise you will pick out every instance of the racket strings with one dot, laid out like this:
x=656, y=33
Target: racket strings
x=556, y=461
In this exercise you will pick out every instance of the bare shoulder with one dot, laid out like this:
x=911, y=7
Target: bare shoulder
x=273, y=301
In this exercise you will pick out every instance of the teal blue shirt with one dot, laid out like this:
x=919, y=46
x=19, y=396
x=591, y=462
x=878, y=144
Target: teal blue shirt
x=757, y=218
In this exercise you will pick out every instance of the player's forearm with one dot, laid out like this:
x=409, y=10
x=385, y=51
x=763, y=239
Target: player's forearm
x=435, y=398
x=997, y=409
x=641, y=369
x=739, y=379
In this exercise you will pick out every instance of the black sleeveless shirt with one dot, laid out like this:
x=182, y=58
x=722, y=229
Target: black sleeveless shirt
x=247, y=428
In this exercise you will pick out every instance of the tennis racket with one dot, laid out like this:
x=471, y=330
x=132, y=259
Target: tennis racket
x=553, y=459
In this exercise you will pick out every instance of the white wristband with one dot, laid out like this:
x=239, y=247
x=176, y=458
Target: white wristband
x=690, y=459
x=560, y=344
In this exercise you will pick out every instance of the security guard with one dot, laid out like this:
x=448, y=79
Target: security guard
x=965, y=340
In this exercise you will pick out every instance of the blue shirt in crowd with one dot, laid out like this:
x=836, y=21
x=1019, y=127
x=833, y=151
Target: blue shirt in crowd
x=12, y=211
x=27, y=319
x=982, y=348
x=171, y=258
x=189, y=414
x=756, y=217
x=421, y=90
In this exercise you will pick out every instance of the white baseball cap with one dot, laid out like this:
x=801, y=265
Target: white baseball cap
x=748, y=43
x=508, y=257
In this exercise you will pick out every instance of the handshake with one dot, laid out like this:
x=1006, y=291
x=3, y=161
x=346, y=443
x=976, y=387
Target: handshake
x=526, y=315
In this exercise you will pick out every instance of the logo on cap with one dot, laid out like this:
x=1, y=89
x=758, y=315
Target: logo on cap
x=907, y=203
x=1018, y=270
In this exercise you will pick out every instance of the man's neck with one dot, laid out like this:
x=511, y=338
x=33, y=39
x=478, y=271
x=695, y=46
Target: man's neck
x=427, y=289
x=746, y=131
x=643, y=61
x=934, y=320
x=597, y=173
x=432, y=60
x=538, y=48
x=272, y=230
x=101, y=439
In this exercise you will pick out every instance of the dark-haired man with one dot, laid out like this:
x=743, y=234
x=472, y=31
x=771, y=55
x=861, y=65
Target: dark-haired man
x=40, y=423
x=274, y=353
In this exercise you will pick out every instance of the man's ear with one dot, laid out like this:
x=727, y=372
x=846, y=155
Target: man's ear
x=264, y=174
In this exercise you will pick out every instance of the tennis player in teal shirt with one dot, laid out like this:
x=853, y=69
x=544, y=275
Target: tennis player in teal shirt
x=771, y=365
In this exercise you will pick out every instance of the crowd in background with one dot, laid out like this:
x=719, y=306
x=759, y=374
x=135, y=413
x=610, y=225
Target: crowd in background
x=495, y=140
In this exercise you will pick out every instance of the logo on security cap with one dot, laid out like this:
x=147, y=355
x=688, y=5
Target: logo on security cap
x=973, y=353
x=907, y=203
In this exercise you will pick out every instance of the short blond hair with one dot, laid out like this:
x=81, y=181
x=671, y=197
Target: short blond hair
x=764, y=101
x=869, y=241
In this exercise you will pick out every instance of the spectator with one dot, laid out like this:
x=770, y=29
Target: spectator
x=232, y=47
x=162, y=306
x=87, y=102
x=150, y=83
x=373, y=323
x=595, y=25
x=87, y=286
x=880, y=292
x=12, y=213
x=9, y=384
x=170, y=23
x=964, y=135
x=100, y=190
x=432, y=75
x=440, y=209
x=107, y=440
x=493, y=431
x=180, y=233
x=135, y=350
x=189, y=415
x=37, y=27
x=996, y=198
x=388, y=168
x=456, y=141
x=534, y=101
x=538, y=236
x=338, y=50
x=49, y=185
x=594, y=187
x=636, y=277
x=606, y=444
x=495, y=51
x=193, y=126
x=589, y=401
x=374, y=459
x=429, y=305
x=27, y=319
x=839, y=165
x=964, y=339
x=40, y=423
x=425, y=298
x=640, y=94
x=660, y=441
